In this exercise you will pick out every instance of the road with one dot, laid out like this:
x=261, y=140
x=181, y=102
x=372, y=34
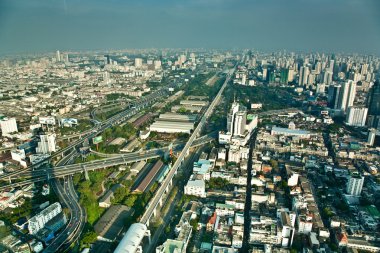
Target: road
x=65, y=170
x=156, y=198
x=69, y=198
x=135, y=107
x=169, y=215
x=248, y=198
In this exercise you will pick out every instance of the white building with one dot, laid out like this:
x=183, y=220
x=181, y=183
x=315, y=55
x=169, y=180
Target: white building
x=46, y=144
x=224, y=138
x=293, y=180
x=37, y=222
x=196, y=188
x=222, y=153
x=131, y=242
x=138, y=62
x=234, y=154
x=355, y=184
x=8, y=125
x=18, y=155
x=371, y=136
x=356, y=116
x=239, y=123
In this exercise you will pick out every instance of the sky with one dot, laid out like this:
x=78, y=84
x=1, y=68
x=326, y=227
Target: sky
x=350, y=26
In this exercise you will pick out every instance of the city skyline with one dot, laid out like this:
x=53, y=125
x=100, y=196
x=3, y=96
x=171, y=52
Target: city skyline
x=308, y=26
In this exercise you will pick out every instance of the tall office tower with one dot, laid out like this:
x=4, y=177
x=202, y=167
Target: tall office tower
x=182, y=58
x=192, y=57
x=333, y=96
x=355, y=184
x=311, y=79
x=265, y=73
x=371, y=136
x=318, y=67
x=364, y=69
x=46, y=145
x=67, y=60
x=157, y=64
x=106, y=77
x=284, y=76
x=331, y=66
x=138, y=62
x=58, y=56
x=356, y=116
x=239, y=123
x=327, y=77
x=231, y=117
x=347, y=95
x=320, y=88
x=304, y=73
x=8, y=125
x=291, y=74
x=374, y=106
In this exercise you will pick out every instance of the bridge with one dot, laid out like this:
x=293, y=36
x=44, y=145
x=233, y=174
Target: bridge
x=114, y=120
x=166, y=185
x=113, y=160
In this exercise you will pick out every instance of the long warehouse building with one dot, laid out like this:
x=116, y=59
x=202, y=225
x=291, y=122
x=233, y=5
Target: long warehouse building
x=146, y=182
x=172, y=127
x=174, y=123
x=178, y=117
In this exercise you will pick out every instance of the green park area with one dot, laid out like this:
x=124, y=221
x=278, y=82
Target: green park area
x=272, y=98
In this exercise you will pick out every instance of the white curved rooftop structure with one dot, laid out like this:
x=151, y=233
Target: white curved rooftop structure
x=132, y=239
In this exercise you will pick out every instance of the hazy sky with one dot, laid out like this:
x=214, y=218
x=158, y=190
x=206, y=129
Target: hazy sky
x=300, y=25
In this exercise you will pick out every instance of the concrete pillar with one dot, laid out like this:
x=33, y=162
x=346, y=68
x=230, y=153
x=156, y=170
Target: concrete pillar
x=160, y=202
x=86, y=174
x=148, y=234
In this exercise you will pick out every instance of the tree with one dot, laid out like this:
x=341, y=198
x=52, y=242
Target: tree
x=130, y=200
x=218, y=183
x=119, y=194
x=89, y=237
x=274, y=164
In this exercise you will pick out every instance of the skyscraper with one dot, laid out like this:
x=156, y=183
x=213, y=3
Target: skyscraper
x=333, y=96
x=347, y=95
x=58, y=56
x=284, y=76
x=304, y=73
x=374, y=106
x=231, y=117
x=236, y=119
x=356, y=116
x=239, y=123
x=371, y=136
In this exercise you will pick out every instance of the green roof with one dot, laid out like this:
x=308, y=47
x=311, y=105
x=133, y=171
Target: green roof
x=373, y=211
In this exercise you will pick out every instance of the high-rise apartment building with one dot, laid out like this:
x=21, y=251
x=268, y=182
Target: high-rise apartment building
x=374, y=106
x=58, y=56
x=355, y=184
x=239, y=123
x=236, y=119
x=138, y=62
x=46, y=145
x=356, y=116
x=36, y=223
x=371, y=136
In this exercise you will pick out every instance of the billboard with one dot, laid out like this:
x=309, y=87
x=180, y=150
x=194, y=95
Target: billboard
x=97, y=139
x=47, y=120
